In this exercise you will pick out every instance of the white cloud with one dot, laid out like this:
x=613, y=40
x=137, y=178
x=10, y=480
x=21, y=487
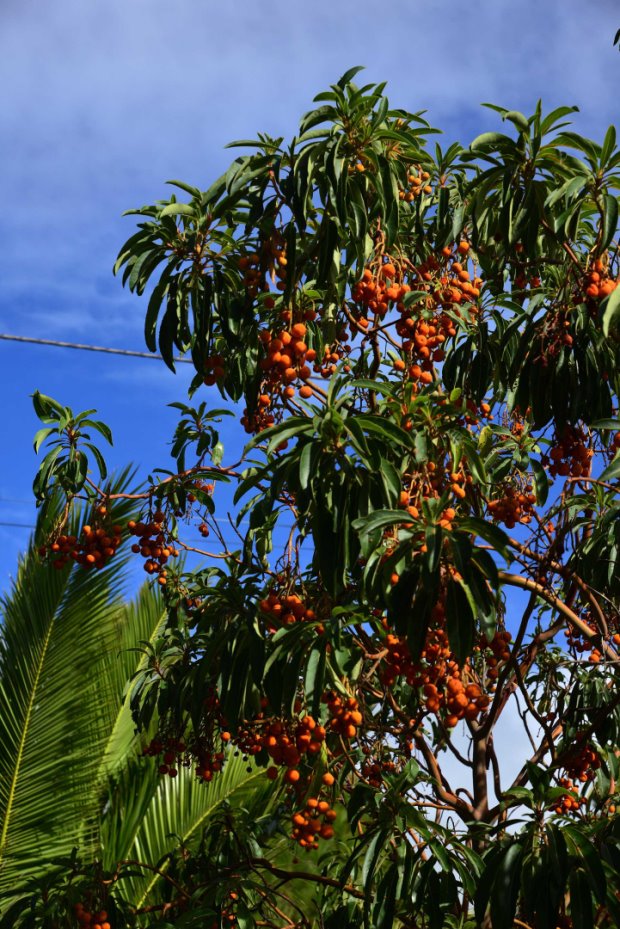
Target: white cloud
x=108, y=99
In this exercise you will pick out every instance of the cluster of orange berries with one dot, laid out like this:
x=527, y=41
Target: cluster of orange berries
x=272, y=258
x=376, y=290
x=521, y=280
x=314, y=822
x=95, y=920
x=252, y=276
x=153, y=545
x=555, y=335
x=452, y=284
x=258, y=421
x=424, y=333
x=446, y=689
x=514, y=505
x=214, y=369
x=597, y=283
x=569, y=454
x=176, y=753
x=285, y=609
x=580, y=643
x=373, y=770
x=227, y=914
x=332, y=355
x=570, y=801
x=494, y=654
x=93, y=549
x=432, y=483
x=582, y=763
x=201, y=487
x=208, y=761
x=472, y=414
x=416, y=184
x=286, y=362
x=614, y=445
x=172, y=750
x=285, y=742
x=345, y=716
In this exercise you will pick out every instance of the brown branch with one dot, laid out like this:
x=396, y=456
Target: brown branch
x=515, y=580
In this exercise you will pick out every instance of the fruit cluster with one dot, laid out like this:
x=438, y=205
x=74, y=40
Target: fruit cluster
x=512, y=505
x=284, y=609
x=570, y=801
x=314, y=822
x=153, y=545
x=257, y=421
x=491, y=655
x=332, y=355
x=252, y=275
x=345, y=716
x=597, y=283
x=171, y=749
x=430, y=483
x=569, y=454
x=417, y=183
x=214, y=369
x=426, y=325
x=93, y=548
x=286, y=361
x=580, y=643
x=176, y=754
x=449, y=691
x=285, y=742
x=582, y=763
x=374, y=769
x=376, y=291
x=93, y=920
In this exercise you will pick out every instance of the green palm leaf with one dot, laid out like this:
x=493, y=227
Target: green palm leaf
x=59, y=629
x=137, y=622
x=150, y=816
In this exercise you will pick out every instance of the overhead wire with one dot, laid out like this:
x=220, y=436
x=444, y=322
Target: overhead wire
x=55, y=343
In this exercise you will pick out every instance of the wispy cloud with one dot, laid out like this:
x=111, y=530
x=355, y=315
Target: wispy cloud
x=108, y=99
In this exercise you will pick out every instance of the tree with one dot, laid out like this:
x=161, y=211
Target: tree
x=426, y=347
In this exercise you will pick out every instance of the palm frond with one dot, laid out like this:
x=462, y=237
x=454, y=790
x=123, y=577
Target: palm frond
x=150, y=816
x=58, y=629
x=137, y=622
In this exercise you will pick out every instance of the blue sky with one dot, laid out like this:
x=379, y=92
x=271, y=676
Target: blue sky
x=105, y=101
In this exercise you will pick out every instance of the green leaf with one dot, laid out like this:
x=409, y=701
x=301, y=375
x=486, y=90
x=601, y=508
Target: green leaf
x=487, y=531
x=580, y=900
x=47, y=410
x=460, y=621
x=541, y=481
x=103, y=470
x=518, y=119
x=179, y=209
x=380, y=520
x=611, y=312
x=40, y=436
x=612, y=470
x=610, y=221
x=505, y=888
x=490, y=139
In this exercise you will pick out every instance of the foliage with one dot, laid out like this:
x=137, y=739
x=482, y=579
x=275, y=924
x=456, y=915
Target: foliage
x=426, y=346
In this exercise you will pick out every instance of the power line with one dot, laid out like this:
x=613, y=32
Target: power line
x=88, y=348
